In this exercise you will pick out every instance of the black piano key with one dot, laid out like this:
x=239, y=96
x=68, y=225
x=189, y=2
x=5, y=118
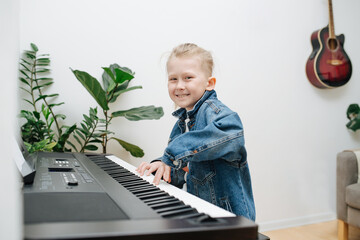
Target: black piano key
x=141, y=186
x=126, y=178
x=178, y=212
x=154, y=191
x=147, y=196
x=110, y=167
x=137, y=183
x=144, y=191
x=173, y=208
x=107, y=163
x=115, y=175
x=110, y=172
x=167, y=204
x=165, y=200
x=152, y=200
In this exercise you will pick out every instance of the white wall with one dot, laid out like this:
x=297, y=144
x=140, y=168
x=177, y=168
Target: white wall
x=10, y=204
x=293, y=130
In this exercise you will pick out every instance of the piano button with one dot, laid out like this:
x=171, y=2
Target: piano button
x=72, y=183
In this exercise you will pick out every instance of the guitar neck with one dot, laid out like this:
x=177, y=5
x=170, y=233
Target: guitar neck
x=331, y=21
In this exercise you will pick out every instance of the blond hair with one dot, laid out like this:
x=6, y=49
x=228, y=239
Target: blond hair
x=191, y=49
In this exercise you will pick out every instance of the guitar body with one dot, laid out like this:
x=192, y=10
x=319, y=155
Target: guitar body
x=328, y=66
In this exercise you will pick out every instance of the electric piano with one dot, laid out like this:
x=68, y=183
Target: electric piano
x=96, y=196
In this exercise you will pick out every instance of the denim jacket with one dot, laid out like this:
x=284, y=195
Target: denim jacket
x=214, y=151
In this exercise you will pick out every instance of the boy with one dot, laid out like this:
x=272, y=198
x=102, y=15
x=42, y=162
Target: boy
x=206, y=151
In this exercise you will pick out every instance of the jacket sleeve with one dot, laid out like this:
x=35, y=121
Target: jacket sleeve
x=222, y=138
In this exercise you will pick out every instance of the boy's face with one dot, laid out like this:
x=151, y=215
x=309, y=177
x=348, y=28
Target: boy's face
x=187, y=81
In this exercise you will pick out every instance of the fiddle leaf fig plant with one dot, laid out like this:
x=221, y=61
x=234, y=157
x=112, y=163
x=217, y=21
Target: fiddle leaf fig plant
x=115, y=81
x=38, y=131
x=353, y=114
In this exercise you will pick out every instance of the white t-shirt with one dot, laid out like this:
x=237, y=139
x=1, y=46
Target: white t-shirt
x=186, y=130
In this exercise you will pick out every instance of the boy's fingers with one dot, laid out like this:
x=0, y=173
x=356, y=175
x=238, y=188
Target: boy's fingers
x=167, y=174
x=152, y=168
x=142, y=168
x=158, y=175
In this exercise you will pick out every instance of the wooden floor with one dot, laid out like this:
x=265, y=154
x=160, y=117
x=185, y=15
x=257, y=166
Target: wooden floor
x=318, y=231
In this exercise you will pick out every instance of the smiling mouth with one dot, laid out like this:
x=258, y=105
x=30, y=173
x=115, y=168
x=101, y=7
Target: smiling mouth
x=182, y=95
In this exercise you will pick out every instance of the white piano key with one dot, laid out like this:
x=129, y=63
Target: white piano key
x=189, y=199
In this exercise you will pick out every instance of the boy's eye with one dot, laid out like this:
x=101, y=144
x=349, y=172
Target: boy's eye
x=172, y=79
x=188, y=77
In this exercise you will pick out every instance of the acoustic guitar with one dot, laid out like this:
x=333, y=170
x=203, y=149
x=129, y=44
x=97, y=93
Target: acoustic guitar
x=328, y=66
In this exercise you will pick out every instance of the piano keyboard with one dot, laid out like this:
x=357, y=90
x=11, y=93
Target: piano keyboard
x=167, y=200
x=111, y=201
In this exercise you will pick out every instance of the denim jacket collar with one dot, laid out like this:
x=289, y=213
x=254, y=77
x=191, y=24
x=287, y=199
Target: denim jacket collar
x=182, y=114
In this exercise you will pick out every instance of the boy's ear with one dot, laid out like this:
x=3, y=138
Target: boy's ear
x=211, y=84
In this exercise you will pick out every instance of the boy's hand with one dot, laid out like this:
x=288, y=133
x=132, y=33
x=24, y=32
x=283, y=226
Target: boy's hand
x=162, y=171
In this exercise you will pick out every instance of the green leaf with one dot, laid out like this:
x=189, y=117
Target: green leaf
x=25, y=67
x=42, y=70
x=36, y=114
x=55, y=104
x=43, y=60
x=72, y=145
x=77, y=139
x=43, y=79
x=26, y=61
x=109, y=79
x=133, y=149
x=353, y=114
x=87, y=120
x=25, y=90
x=93, y=87
x=60, y=146
x=43, y=85
x=118, y=93
x=62, y=116
x=81, y=133
x=28, y=101
x=30, y=54
x=122, y=75
x=109, y=72
x=48, y=147
x=24, y=73
x=91, y=147
x=140, y=113
x=34, y=47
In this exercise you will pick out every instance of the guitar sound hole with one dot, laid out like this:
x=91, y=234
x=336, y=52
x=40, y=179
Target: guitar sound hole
x=332, y=43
